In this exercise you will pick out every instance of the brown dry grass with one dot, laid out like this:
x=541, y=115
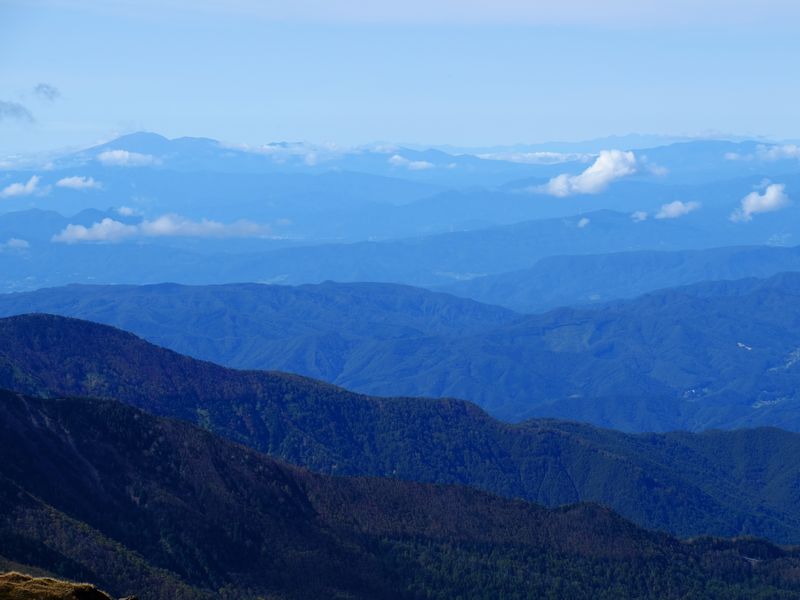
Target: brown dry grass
x=16, y=586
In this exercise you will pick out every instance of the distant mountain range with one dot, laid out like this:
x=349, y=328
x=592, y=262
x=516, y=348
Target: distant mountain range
x=714, y=354
x=594, y=279
x=428, y=261
x=95, y=489
x=722, y=483
x=144, y=209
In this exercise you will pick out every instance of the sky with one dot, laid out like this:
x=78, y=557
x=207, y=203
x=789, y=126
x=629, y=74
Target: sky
x=467, y=72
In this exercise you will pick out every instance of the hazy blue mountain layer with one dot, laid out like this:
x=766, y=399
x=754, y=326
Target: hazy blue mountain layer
x=715, y=354
x=557, y=281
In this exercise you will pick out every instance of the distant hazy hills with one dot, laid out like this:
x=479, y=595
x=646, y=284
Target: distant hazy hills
x=94, y=489
x=314, y=328
x=428, y=260
x=714, y=354
x=420, y=217
x=557, y=281
x=713, y=483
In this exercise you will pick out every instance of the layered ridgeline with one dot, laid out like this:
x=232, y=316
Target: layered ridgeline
x=722, y=483
x=557, y=281
x=418, y=260
x=713, y=355
x=315, y=330
x=97, y=490
x=144, y=209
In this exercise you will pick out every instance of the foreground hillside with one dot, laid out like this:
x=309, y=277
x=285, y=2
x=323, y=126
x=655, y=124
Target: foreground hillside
x=16, y=586
x=722, y=483
x=97, y=490
x=718, y=354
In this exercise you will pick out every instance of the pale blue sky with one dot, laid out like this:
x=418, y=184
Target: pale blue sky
x=349, y=71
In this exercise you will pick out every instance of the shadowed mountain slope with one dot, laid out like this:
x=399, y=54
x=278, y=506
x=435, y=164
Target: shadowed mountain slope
x=725, y=483
x=223, y=521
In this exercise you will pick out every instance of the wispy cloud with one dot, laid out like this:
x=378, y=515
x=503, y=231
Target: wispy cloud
x=124, y=158
x=283, y=152
x=609, y=166
x=772, y=198
x=21, y=189
x=783, y=152
x=537, y=158
x=638, y=216
x=676, y=209
x=79, y=183
x=107, y=230
x=48, y=92
x=412, y=165
x=175, y=225
x=14, y=111
x=583, y=222
x=126, y=211
x=14, y=244
x=768, y=153
x=111, y=230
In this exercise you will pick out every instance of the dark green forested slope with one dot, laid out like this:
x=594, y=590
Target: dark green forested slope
x=99, y=491
x=724, y=483
x=717, y=354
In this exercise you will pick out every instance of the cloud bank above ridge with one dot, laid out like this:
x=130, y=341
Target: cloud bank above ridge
x=169, y=225
x=609, y=166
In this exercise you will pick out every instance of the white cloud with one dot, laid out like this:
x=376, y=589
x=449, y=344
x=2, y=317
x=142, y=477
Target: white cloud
x=176, y=225
x=79, y=183
x=21, y=189
x=111, y=230
x=583, y=222
x=283, y=152
x=15, y=244
x=676, y=209
x=411, y=165
x=126, y=211
x=638, y=216
x=768, y=153
x=609, y=166
x=773, y=198
x=107, y=230
x=773, y=153
x=537, y=158
x=658, y=170
x=123, y=158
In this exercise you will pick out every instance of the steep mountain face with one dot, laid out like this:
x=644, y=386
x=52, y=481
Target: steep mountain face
x=712, y=355
x=724, y=483
x=91, y=487
x=558, y=281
